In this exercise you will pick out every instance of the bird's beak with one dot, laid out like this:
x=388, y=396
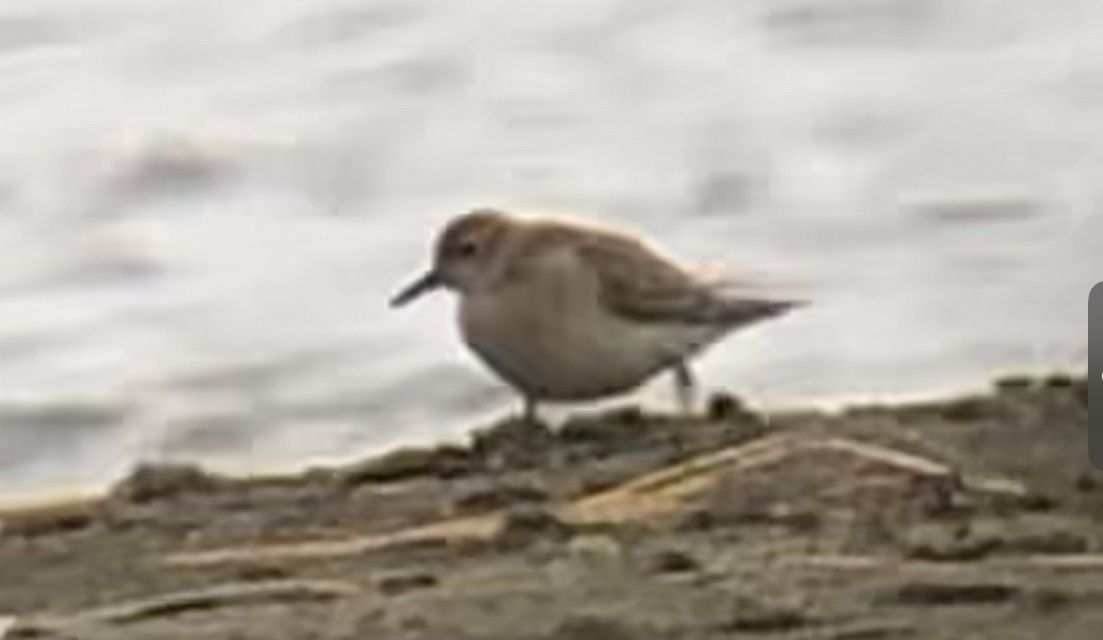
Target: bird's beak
x=424, y=284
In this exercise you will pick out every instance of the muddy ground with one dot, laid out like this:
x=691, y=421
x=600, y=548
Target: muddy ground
x=972, y=517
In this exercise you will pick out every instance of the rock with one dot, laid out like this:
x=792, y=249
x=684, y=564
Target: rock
x=150, y=483
x=400, y=583
x=606, y=432
x=443, y=462
x=499, y=495
x=697, y=519
x=1014, y=383
x=755, y=616
x=672, y=561
x=524, y=526
x=956, y=543
x=514, y=444
x=1058, y=381
x=942, y=496
x=929, y=593
x=725, y=407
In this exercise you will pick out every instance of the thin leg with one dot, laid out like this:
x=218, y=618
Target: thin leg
x=685, y=386
x=529, y=414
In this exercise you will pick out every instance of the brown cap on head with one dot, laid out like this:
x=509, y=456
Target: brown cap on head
x=461, y=253
x=464, y=234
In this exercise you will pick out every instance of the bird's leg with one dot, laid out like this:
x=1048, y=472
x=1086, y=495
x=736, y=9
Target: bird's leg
x=685, y=386
x=529, y=412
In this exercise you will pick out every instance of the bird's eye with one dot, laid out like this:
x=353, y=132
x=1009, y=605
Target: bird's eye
x=468, y=249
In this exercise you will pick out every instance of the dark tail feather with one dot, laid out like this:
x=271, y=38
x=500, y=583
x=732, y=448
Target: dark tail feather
x=742, y=311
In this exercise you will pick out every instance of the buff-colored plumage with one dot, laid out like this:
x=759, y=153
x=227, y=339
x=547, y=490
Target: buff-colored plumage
x=566, y=310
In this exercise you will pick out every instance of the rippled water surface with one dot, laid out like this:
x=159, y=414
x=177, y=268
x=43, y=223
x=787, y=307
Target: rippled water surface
x=206, y=204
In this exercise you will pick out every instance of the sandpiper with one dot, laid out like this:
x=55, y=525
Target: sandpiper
x=569, y=311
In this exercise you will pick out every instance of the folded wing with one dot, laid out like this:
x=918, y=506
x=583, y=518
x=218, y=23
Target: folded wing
x=640, y=284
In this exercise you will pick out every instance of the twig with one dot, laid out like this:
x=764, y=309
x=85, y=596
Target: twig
x=178, y=602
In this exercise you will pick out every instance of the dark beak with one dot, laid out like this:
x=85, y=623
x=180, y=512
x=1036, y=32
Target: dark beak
x=424, y=284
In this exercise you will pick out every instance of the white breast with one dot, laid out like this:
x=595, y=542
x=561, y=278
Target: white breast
x=552, y=339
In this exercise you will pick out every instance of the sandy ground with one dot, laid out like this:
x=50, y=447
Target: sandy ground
x=972, y=517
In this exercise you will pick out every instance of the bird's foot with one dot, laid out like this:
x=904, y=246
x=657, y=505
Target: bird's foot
x=686, y=389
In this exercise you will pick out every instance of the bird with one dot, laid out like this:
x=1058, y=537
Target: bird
x=566, y=310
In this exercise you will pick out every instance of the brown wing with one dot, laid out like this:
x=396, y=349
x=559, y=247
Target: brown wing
x=640, y=284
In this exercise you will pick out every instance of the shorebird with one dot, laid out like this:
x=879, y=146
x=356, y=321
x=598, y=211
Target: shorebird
x=570, y=311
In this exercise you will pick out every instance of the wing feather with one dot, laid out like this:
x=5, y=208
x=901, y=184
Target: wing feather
x=637, y=282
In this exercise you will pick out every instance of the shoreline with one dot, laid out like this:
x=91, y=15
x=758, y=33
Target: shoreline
x=48, y=497
x=860, y=522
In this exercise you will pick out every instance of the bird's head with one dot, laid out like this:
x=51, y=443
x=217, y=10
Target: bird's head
x=463, y=256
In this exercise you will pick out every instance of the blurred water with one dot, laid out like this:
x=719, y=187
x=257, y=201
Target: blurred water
x=206, y=204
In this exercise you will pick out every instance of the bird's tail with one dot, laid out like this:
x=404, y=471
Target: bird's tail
x=740, y=311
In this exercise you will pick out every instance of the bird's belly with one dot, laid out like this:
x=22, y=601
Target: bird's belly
x=576, y=356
